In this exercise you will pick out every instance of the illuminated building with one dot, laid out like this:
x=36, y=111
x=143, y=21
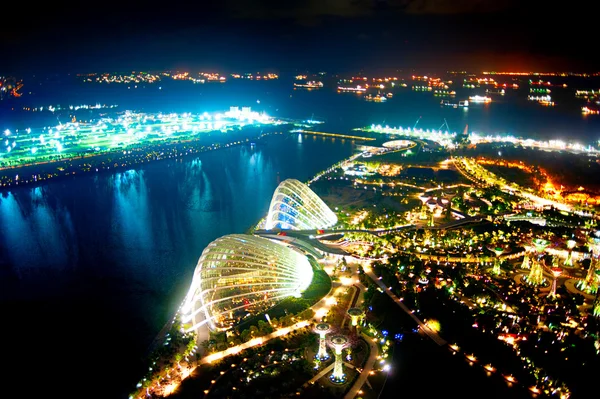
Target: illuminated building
x=241, y=274
x=295, y=206
x=339, y=342
x=322, y=329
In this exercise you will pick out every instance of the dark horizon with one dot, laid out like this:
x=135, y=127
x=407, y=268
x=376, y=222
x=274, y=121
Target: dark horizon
x=340, y=35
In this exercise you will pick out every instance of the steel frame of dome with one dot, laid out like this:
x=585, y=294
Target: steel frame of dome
x=239, y=274
x=295, y=206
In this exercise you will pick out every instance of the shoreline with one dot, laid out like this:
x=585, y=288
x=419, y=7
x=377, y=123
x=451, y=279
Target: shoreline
x=120, y=160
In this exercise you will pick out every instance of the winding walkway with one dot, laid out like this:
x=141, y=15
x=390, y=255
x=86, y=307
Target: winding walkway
x=424, y=327
x=362, y=378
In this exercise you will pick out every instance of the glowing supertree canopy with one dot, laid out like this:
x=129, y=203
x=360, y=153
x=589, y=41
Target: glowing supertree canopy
x=355, y=314
x=540, y=244
x=322, y=329
x=295, y=206
x=556, y=272
x=239, y=274
x=498, y=250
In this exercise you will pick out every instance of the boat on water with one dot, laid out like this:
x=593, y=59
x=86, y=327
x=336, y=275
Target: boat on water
x=357, y=89
x=480, y=99
x=543, y=100
x=312, y=84
x=377, y=98
x=461, y=104
x=495, y=91
x=546, y=103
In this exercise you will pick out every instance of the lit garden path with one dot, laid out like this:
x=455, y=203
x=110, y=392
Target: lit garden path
x=253, y=342
x=320, y=375
x=321, y=307
x=430, y=333
x=362, y=378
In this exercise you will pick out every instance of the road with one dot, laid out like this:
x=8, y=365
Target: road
x=253, y=342
x=362, y=378
x=430, y=333
x=320, y=375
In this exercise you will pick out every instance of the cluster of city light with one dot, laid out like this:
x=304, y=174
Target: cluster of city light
x=57, y=108
x=9, y=87
x=444, y=138
x=139, y=77
x=187, y=76
x=590, y=111
x=213, y=77
x=257, y=76
x=28, y=146
x=562, y=74
x=476, y=138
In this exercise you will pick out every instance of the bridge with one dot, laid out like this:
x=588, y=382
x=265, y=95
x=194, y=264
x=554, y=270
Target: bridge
x=531, y=219
x=338, y=135
x=309, y=240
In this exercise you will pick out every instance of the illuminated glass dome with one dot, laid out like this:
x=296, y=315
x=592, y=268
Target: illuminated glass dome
x=238, y=275
x=295, y=206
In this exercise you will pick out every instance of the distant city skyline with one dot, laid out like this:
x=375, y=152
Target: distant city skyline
x=341, y=35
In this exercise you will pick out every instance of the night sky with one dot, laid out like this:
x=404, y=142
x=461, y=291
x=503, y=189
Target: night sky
x=281, y=35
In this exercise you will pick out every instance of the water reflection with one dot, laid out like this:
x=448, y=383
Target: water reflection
x=124, y=245
x=130, y=222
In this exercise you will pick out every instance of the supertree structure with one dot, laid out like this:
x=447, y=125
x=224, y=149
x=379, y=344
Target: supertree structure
x=569, y=259
x=338, y=342
x=498, y=250
x=355, y=314
x=536, y=274
x=592, y=278
x=556, y=272
x=322, y=329
x=526, y=262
